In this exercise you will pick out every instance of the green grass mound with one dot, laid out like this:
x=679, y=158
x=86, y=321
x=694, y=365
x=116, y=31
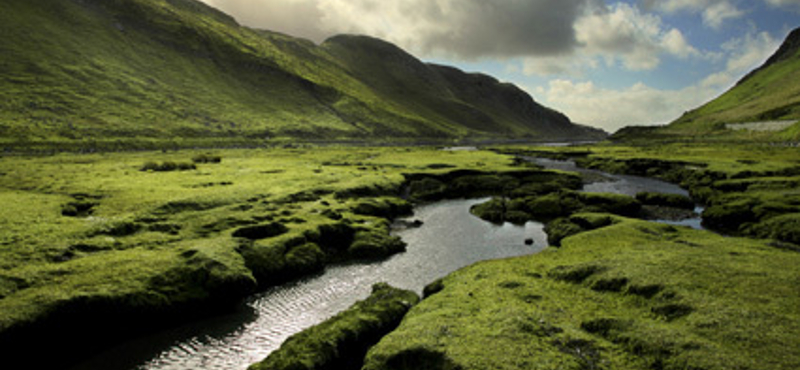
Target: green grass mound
x=632, y=295
x=90, y=244
x=471, y=184
x=665, y=200
x=341, y=341
x=545, y=208
x=742, y=186
x=784, y=228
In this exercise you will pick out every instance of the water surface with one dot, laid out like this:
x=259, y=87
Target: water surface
x=450, y=238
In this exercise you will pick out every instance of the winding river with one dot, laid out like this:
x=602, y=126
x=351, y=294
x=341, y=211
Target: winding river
x=450, y=238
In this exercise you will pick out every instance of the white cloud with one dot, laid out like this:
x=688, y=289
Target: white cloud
x=745, y=54
x=623, y=32
x=571, y=65
x=611, y=109
x=639, y=104
x=720, y=12
x=780, y=3
x=714, y=12
x=619, y=34
x=674, y=43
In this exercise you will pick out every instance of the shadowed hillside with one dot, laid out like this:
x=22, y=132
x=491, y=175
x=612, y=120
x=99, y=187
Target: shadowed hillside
x=134, y=73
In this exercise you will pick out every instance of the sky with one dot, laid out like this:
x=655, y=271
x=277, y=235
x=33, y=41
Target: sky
x=604, y=63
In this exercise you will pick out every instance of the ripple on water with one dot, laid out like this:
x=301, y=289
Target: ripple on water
x=449, y=239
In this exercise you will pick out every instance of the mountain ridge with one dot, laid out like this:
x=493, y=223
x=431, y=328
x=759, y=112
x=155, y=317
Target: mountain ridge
x=133, y=71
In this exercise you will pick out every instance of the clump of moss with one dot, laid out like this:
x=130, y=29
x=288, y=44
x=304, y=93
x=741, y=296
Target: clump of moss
x=78, y=208
x=343, y=340
x=432, y=288
x=306, y=258
x=611, y=203
x=562, y=228
x=426, y=188
x=785, y=228
x=207, y=158
x=729, y=216
x=383, y=207
x=665, y=200
x=167, y=166
x=375, y=244
x=118, y=229
x=554, y=205
x=261, y=231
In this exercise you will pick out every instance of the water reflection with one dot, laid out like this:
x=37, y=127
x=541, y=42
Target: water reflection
x=603, y=182
x=450, y=238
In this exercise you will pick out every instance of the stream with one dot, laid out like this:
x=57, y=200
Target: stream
x=449, y=239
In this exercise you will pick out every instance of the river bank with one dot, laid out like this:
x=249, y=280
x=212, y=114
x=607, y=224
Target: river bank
x=114, y=245
x=619, y=293
x=93, y=234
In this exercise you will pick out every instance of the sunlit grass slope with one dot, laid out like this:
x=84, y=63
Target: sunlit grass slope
x=634, y=295
x=128, y=73
x=769, y=93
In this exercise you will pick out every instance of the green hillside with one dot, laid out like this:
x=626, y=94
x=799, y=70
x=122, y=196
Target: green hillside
x=141, y=72
x=769, y=93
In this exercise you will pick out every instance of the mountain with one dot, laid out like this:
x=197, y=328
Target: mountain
x=138, y=72
x=769, y=93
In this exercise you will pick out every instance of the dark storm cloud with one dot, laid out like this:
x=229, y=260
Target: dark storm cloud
x=466, y=29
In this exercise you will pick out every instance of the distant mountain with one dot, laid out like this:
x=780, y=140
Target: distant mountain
x=767, y=94
x=137, y=72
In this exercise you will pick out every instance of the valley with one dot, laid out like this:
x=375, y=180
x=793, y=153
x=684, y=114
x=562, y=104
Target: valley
x=183, y=191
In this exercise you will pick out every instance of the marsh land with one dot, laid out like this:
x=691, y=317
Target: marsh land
x=120, y=244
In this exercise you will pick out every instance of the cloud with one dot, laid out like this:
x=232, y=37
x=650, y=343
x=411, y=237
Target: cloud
x=780, y=3
x=745, y=54
x=612, y=109
x=720, y=12
x=551, y=36
x=299, y=18
x=714, y=12
x=639, y=104
x=464, y=29
x=619, y=34
x=674, y=43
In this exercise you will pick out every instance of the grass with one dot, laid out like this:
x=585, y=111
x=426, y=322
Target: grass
x=631, y=295
x=147, y=244
x=133, y=74
x=342, y=340
x=769, y=93
x=619, y=293
x=745, y=188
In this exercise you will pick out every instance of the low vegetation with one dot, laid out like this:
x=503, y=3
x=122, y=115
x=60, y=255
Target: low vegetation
x=627, y=295
x=342, y=341
x=92, y=236
x=746, y=189
x=164, y=74
x=92, y=243
x=745, y=113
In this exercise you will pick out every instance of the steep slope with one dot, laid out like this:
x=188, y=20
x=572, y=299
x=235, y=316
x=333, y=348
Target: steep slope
x=134, y=72
x=769, y=93
x=448, y=96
